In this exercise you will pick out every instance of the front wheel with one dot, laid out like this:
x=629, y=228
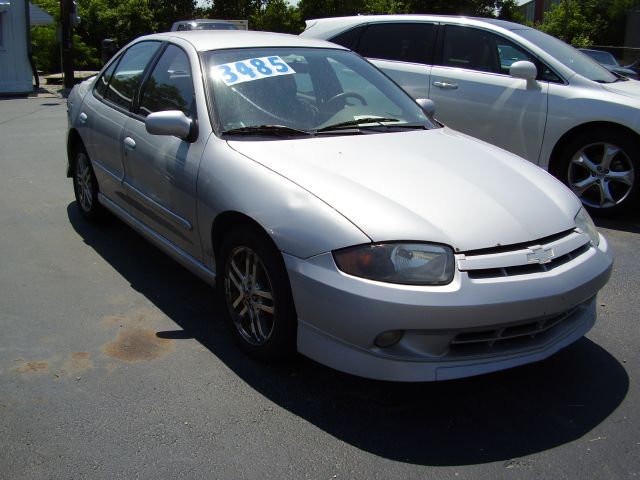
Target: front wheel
x=257, y=295
x=602, y=169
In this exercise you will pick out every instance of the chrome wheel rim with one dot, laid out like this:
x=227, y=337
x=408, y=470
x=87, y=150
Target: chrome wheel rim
x=249, y=296
x=84, y=183
x=601, y=174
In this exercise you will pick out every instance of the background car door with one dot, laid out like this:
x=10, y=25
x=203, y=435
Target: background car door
x=404, y=51
x=105, y=112
x=161, y=170
x=474, y=93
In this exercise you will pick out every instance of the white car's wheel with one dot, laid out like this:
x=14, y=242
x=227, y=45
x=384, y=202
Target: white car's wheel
x=602, y=168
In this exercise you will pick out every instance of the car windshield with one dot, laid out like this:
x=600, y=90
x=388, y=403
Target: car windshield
x=305, y=91
x=569, y=56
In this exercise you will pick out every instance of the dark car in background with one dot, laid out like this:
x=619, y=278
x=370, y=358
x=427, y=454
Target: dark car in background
x=608, y=61
x=635, y=66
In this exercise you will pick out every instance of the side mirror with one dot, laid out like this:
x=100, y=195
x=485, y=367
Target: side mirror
x=523, y=69
x=427, y=106
x=171, y=122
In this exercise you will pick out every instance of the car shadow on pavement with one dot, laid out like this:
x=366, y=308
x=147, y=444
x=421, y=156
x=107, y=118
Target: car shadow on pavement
x=496, y=417
x=626, y=222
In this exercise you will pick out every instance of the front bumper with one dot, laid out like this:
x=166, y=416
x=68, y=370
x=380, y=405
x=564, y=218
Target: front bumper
x=451, y=331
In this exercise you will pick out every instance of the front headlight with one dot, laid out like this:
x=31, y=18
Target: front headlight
x=586, y=225
x=405, y=263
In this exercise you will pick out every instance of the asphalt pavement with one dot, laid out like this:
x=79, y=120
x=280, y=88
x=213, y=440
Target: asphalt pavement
x=115, y=363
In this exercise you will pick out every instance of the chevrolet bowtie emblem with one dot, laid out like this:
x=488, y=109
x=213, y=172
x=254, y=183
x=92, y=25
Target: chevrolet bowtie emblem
x=539, y=255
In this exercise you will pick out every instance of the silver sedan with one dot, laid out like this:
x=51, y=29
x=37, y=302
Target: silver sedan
x=333, y=215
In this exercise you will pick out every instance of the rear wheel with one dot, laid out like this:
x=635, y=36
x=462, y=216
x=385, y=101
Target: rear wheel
x=602, y=167
x=85, y=185
x=257, y=295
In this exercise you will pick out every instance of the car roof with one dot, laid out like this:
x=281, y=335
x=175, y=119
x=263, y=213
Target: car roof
x=360, y=19
x=205, y=40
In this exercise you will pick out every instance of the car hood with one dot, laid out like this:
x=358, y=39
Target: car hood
x=437, y=185
x=629, y=88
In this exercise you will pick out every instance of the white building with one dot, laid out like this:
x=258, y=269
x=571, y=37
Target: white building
x=16, y=17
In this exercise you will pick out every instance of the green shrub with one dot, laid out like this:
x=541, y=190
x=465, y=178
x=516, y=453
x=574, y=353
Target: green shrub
x=47, y=55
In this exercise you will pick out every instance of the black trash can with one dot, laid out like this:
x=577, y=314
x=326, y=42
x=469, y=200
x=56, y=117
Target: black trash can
x=108, y=48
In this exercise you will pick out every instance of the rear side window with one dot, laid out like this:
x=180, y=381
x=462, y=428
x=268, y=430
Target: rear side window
x=123, y=83
x=349, y=38
x=170, y=85
x=103, y=81
x=405, y=42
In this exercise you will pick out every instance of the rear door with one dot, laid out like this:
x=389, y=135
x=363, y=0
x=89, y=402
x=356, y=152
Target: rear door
x=105, y=112
x=474, y=93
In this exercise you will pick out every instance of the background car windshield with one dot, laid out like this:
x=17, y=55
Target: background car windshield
x=604, y=58
x=304, y=89
x=569, y=56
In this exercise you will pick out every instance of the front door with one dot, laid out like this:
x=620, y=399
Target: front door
x=474, y=93
x=161, y=170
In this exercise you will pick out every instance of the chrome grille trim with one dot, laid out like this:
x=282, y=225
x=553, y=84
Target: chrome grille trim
x=533, y=258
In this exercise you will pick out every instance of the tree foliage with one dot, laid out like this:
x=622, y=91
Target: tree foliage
x=586, y=22
x=277, y=16
x=508, y=10
x=479, y=8
x=567, y=21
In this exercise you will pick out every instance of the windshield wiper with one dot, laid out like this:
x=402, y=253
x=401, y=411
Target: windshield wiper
x=357, y=122
x=275, y=130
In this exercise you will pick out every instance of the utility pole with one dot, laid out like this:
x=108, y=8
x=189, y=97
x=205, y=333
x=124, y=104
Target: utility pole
x=66, y=42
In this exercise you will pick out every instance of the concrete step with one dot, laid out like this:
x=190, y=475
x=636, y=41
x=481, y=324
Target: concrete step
x=78, y=76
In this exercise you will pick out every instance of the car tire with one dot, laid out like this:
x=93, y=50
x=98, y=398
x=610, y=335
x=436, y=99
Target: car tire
x=85, y=186
x=254, y=287
x=602, y=168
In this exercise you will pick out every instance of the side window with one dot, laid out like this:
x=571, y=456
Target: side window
x=103, y=82
x=406, y=42
x=349, y=38
x=509, y=54
x=170, y=85
x=471, y=48
x=124, y=81
x=549, y=75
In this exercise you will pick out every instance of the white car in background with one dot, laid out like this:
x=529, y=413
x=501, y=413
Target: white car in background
x=515, y=87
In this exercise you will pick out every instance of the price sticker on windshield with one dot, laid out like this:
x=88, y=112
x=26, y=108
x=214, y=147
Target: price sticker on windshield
x=251, y=69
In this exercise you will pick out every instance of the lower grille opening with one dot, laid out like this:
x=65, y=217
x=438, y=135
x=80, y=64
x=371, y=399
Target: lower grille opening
x=509, y=337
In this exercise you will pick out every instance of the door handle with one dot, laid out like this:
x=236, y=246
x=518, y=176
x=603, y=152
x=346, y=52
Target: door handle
x=130, y=143
x=445, y=85
x=83, y=117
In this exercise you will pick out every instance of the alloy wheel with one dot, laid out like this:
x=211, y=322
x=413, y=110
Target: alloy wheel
x=249, y=296
x=84, y=182
x=601, y=174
